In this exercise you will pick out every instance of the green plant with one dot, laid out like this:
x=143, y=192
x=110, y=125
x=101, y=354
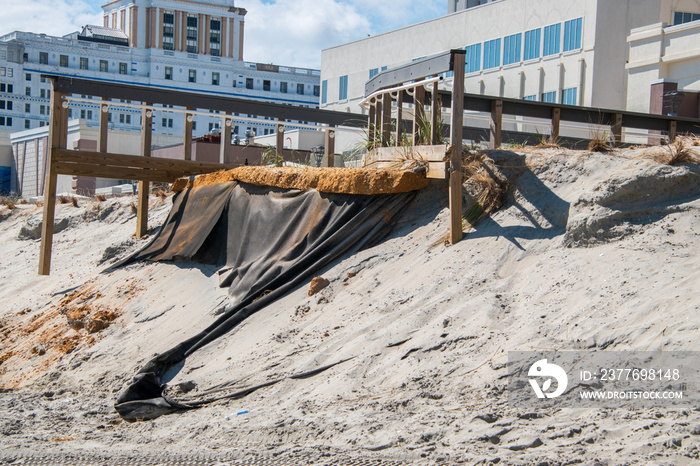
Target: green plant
x=270, y=156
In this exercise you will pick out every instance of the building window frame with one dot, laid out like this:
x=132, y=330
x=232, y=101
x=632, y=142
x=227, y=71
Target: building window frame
x=192, y=76
x=552, y=40
x=492, y=53
x=573, y=31
x=512, y=45
x=343, y=87
x=533, y=38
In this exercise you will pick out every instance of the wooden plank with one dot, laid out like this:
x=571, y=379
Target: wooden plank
x=556, y=118
x=144, y=188
x=435, y=115
x=672, y=129
x=496, y=124
x=399, y=117
x=386, y=120
x=134, y=161
x=418, y=112
x=616, y=129
x=456, y=129
x=377, y=141
x=123, y=173
x=279, y=139
x=329, y=148
x=58, y=134
x=225, y=144
x=438, y=171
x=187, y=141
x=423, y=153
x=104, y=126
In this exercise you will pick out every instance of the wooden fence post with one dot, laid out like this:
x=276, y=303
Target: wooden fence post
x=58, y=134
x=386, y=119
x=371, y=129
x=672, y=125
x=225, y=142
x=456, y=127
x=329, y=147
x=399, y=117
x=496, y=124
x=144, y=186
x=187, y=143
x=418, y=112
x=104, y=127
x=616, y=129
x=556, y=118
x=434, y=115
x=279, y=138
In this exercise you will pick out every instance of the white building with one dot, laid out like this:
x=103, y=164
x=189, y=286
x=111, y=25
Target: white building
x=168, y=44
x=565, y=51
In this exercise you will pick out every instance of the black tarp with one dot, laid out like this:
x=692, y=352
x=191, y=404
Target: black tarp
x=267, y=241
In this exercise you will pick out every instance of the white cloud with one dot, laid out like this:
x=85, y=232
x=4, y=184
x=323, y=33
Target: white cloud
x=53, y=17
x=293, y=32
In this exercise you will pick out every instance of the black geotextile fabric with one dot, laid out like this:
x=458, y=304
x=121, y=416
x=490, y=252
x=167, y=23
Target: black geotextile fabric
x=268, y=241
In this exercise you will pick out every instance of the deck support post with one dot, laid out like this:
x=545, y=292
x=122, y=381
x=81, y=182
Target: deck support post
x=144, y=186
x=456, y=126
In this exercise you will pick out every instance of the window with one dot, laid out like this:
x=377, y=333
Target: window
x=317, y=90
x=215, y=37
x=235, y=130
x=28, y=91
x=283, y=87
x=549, y=97
x=83, y=63
x=324, y=91
x=89, y=114
x=9, y=72
x=168, y=73
x=164, y=122
x=10, y=88
x=192, y=76
x=511, y=49
x=104, y=66
x=2, y=105
x=168, y=31
x=28, y=77
x=568, y=96
x=532, y=98
x=82, y=114
x=194, y=126
x=42, y=79
x=27, y=108
x=472, y=58
x=572, y=34
x=492, y=54
x=9, y=105
x=300, y=89
x=248, y=83
x=192, y=35
x=266, y=85
x=43, y=58
x=3, y=71
x=343, y=88
x=42, y=93
x=128, y=119
x=373, y=72
x=532, y=43
x=121, y=118
x=122, y=68
x=63, y=61
x=234, y=82
x=680, y=17
x=27, y=124
x=215, y=79
x=552, y=35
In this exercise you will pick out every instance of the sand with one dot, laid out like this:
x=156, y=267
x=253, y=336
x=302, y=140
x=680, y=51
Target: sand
x=325, y=180
x=589, y=251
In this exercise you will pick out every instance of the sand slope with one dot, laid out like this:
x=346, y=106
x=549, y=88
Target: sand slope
x=589, y=251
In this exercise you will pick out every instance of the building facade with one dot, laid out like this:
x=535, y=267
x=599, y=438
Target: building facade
x=572, y=52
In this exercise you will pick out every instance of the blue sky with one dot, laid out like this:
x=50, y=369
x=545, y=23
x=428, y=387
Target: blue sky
x=285, y=32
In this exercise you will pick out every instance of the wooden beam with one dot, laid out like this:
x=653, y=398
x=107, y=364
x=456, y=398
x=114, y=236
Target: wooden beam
x=456, y=126
x=556, y=118
x=435, y=115
x=418, y=112
x=329, y=148
x=370, y=124
x=616, y=129
x=440, y=171
x=144, y=186
x=672, y=128
x=386, y=120
x=104, y=126
x=399, y=118
x=496, y=124
x=66, y=156
x=187, y=142
x=279, y=149
x=225, y=143
x=378, y=110
x=58, y=134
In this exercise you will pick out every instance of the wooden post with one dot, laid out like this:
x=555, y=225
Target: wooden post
x=371, y=124
x=225, y=143
x=279, y=149
x=377, y=123
x=434, y=115
x=329, y=147
x=456, y=127
x=187, y=143
x=399, y=117
x=616, y=129
x=104, y=127
x=58, y=134
x=386, y=119
x=672, y=125
x=144, y=186
x=418, y=112
x=496, y=124
x=556, y=118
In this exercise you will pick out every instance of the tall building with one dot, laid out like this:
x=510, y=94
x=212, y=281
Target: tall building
x=169, y=44
x=572, y=52
x=457, y=5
